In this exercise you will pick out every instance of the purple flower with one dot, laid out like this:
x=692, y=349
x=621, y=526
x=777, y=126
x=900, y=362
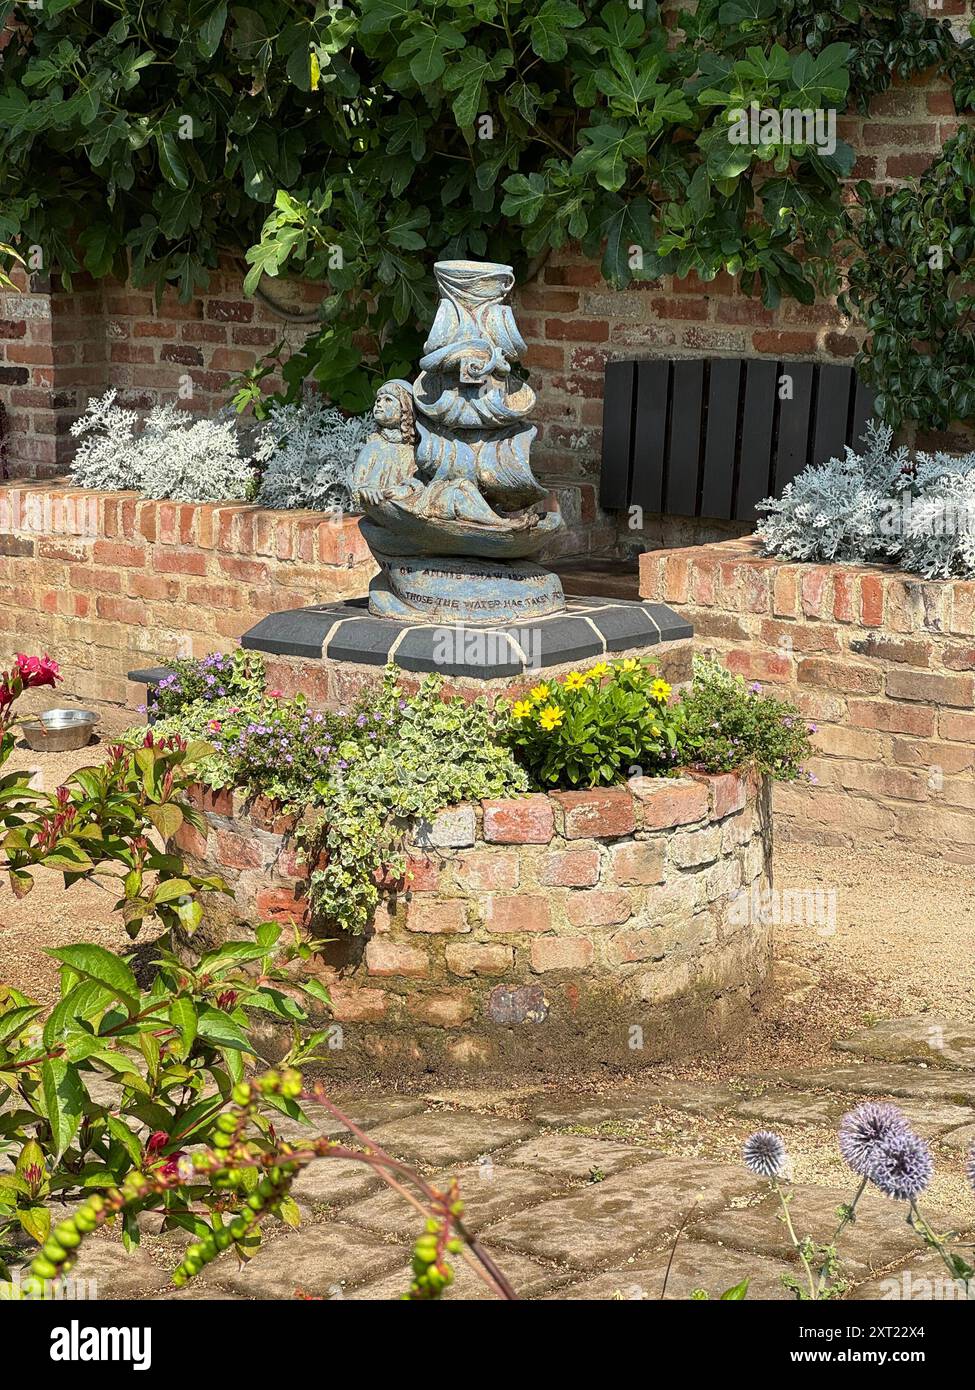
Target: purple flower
x=904, y=1168
x=755, y=688
x=764, y=1154
x=867, y=1130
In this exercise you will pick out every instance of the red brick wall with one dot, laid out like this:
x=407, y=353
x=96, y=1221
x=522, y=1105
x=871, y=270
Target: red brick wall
x=881, y=661
x=108, y=582
x=530, y=926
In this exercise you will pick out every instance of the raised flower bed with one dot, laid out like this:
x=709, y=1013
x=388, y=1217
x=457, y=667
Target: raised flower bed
x=605, y=921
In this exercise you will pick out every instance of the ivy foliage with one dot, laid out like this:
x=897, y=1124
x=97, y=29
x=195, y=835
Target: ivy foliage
x=356, y=144
x=911, y=284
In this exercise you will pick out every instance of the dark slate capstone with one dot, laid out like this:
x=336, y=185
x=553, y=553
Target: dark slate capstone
x=296, y=632
x=586, y=631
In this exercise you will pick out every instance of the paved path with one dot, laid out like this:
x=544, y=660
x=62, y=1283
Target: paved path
x=580, y=1196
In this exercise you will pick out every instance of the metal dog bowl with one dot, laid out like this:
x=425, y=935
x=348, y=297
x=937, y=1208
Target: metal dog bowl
x=60, y=730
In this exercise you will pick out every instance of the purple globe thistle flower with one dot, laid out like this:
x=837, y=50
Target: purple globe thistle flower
x=866, y=1131
x=764, y=1154
x=903, y=1168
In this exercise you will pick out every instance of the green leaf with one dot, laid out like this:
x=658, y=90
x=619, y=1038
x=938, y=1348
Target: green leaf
x=218, y=1028
x=36, y=1221
x=129, y=1141
x=547, y=28
x=167, y=818
x=735, y=1294
x=210, y=32
x=95, y=963
x=182, y=1015
x=64, y=1099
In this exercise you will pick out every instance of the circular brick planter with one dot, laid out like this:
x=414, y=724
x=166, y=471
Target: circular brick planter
x=609, y=926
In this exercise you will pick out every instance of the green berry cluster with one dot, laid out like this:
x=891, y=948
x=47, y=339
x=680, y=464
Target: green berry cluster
x=266, y=1197
x=58, y=1253
x=430, y=1276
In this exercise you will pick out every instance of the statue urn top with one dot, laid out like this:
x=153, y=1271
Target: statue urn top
x=451, y=507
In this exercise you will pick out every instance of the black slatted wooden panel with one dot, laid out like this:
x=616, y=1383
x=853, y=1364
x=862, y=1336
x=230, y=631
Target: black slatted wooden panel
x=710, y=438
x=686, y=411
x=617, y=463
x=650, y=434
x=757, y=436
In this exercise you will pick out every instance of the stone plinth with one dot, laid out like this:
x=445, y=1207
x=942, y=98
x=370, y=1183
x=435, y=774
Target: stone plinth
x=619, y=926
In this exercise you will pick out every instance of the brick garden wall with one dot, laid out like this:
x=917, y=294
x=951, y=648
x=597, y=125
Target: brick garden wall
x=530, y=926
x=881, y=661
x=108, y=582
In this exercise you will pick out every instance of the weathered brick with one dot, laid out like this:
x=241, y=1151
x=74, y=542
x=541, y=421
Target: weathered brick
x=844, y=676
x=666, y=801
x=598, y=907
x=639, y=862
x=389, y=958
x=354, y=1004
x=524, y=820
x=599, y=814
x=281, y=905
x=437, y=916
x=237, y=851
x=477, y=958
x=561, y=953
x=450, y=829
x=488, y=869
x=927, y=687
x=524, y=912
x=890, y=718
x=570, y=868
x=448, y=1009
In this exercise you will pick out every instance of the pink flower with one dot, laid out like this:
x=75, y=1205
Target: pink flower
x=215, y=725
x=6, y=696
x=276, y=694
x=227, y=1000
x=37, y=670
x=156, y=1141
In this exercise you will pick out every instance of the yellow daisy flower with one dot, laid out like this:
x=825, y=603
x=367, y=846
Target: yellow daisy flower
x=660, y=690
x=630, y=664
x=539, y=693
x=550, y=717
x=597, y=672
x=522, y=709
x=575, y=680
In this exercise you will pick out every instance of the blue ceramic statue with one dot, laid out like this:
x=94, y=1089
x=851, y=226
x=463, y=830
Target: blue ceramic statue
x=451, y=505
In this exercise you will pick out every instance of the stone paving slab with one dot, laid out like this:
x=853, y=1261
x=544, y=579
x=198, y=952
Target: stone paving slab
x=628, y=1212
x=929, y=1117
x=590, y=1113
x=314, y=1259
x=455, y=1136
x=695, y=1266
x=110, y=1272
x=922, y=1083
x=923, y=1279
x=879, y=1236
x=577, y=1155
x=488, y=1192
x=525, y=1276
x=331, y=1181
x=944, y=1042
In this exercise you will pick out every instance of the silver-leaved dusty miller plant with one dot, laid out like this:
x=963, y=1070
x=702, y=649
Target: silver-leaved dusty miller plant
x=881, y=506
x=309, y=451
x=300, y=456
x=174, y=454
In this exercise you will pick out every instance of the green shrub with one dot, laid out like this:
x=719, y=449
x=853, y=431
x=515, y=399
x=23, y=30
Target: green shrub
x=589, y=728
x=729, y=726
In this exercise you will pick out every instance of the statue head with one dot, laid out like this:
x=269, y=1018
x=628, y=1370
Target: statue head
x=394, y=409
